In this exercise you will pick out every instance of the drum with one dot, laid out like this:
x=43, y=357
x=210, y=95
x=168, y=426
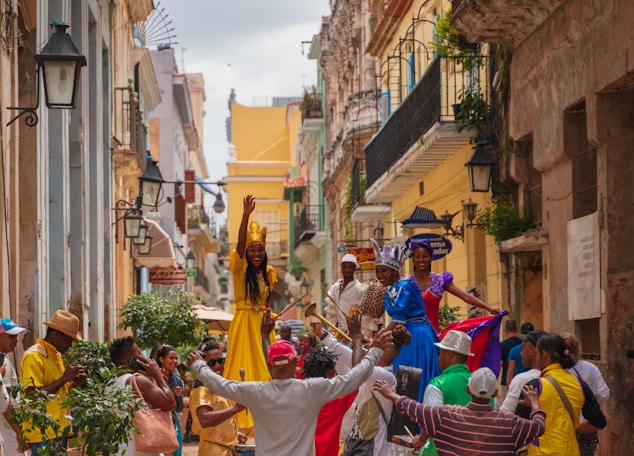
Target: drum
x=372, y=302
x=245, y=448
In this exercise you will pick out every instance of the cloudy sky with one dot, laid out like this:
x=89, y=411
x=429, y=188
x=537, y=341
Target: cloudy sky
x=253, y=46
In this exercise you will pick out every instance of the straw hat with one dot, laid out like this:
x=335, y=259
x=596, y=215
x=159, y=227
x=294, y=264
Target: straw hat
x=66, y=323
x=456, y=341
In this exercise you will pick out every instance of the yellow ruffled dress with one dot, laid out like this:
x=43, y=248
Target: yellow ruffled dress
x=244, y=347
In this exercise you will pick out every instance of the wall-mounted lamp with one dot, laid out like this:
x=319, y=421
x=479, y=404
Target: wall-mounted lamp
x=146, y=247
x=151, y=182
x=480, y=167
x=469, y=209
x=190, y=260
x=134, y=225
x=61, y=64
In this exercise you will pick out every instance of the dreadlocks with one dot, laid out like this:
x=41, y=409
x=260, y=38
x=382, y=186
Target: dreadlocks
x=318, y=363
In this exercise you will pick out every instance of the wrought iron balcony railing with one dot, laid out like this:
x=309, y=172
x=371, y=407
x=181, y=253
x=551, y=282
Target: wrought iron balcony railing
x=432, y=100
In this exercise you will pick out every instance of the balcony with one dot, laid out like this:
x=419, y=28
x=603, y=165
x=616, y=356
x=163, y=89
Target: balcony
x=361, y=119
x=362, y=212
x=312, y=114
x=421, y=133
x=309, y=226
x=131, y=129
x=500, y=21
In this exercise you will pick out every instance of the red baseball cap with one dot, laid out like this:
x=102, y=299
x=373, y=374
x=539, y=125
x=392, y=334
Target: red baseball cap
x=282, y=349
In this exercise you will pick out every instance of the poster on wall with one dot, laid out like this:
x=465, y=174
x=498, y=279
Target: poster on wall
x=584, y=273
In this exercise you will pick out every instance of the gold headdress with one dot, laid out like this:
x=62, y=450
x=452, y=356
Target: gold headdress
x=255, y=234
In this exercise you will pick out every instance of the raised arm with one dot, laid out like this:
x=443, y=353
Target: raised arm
x=249, y=206
x=157, y=392
x=470, y=299
x=354, y=327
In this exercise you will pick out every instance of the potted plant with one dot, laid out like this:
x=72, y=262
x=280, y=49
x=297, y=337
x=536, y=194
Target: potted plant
x=472, y=113
x=504, y=221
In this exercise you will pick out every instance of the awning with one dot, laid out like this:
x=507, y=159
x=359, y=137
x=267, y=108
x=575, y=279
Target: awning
x=217, y=319
x=162, y=252
x=423, y=218
x=168, y=276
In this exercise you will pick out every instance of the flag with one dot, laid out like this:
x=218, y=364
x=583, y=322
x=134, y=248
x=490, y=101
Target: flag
x=485, y=340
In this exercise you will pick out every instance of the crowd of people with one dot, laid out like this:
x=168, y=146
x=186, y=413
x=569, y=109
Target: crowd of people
x=320, y=396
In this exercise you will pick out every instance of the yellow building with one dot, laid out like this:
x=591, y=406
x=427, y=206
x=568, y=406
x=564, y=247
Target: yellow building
x=417, y=158
x=263, y=142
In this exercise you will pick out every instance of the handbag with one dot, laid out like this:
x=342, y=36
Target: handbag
x=156, y=433
x=407, y=384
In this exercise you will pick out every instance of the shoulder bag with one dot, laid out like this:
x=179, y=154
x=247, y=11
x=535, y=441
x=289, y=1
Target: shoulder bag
x=155, y=430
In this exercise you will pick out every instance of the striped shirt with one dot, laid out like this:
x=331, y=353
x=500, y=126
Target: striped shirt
x=473, y=430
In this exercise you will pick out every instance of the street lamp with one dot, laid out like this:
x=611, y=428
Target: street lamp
x=190, y=260
x=151, y=182
x=219, y=204
x=61, y=65
x=304, y=286
x=480, y=167
x=132, y=222
x=146, y=247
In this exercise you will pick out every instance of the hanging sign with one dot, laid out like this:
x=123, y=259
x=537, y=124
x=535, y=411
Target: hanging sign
x=168, y=276
x=441, y=246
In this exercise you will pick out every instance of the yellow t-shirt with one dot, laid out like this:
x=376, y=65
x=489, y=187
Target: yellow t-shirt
x=225, y=433
x=42, y=365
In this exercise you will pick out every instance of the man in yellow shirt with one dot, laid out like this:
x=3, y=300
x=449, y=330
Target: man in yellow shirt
x=212, y=415
x=42, y=369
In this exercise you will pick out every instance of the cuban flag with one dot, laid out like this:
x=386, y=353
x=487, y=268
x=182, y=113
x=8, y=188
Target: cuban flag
x=485, y=340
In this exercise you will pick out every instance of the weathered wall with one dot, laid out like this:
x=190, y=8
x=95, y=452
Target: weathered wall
x=581, y=53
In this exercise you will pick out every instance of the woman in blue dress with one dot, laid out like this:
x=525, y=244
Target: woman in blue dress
x=404, y=305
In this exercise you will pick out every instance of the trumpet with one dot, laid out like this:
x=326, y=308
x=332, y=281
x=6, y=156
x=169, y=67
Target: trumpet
x=311, y=311
x=297, y=301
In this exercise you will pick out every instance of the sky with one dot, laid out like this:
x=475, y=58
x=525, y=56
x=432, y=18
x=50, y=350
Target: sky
x=253, y=46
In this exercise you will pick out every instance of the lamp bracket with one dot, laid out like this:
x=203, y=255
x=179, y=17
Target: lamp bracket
x=31, y=118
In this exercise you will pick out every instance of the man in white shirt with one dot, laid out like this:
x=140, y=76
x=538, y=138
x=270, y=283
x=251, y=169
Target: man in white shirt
x=529, y=359
x=285, y=409
x=9, y=333
x=346, y=292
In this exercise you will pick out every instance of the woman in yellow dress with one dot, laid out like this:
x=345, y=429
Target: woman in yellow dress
x=253, y=281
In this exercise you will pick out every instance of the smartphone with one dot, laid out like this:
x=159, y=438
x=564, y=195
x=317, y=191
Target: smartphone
x=2, y=355
x=202, y=349
x=134, y=364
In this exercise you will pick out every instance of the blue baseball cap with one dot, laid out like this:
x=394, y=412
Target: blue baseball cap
x=8, y=326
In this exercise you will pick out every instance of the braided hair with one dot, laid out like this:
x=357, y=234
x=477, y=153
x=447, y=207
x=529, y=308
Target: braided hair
x=556, y=347
x=251, y=285
x=401, y=336
x=318, y=363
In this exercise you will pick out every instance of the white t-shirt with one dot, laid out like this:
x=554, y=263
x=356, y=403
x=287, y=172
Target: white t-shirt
x=515, y=389
x=7, y=435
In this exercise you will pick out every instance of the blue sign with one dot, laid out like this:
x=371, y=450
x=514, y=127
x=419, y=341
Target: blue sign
x=440, y=245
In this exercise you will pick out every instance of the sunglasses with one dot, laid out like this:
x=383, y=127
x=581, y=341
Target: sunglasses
x=212, y=362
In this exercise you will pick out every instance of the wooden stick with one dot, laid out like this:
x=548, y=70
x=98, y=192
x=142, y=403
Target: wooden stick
x=408, y=432
x=297, y=301
x=334, y=302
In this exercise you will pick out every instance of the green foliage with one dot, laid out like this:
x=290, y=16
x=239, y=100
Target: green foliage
x=473, y=114
x=163, y=318
x=447, y=315
x=449, y=42
x=504, y=221
x=102, y=413
x=30, y=413
x=93, y=355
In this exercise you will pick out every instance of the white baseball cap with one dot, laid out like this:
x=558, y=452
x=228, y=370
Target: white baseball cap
x=483, y=383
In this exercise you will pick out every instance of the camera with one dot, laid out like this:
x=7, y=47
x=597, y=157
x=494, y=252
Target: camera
x=134, y=364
